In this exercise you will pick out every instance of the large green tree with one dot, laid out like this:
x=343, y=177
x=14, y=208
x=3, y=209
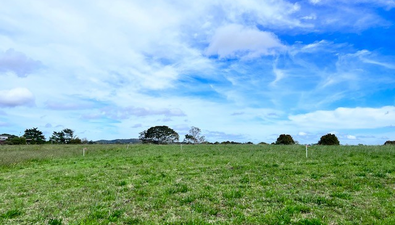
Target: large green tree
x=329, y=139
x=159, y=135
x=285, y=139
x=34, y=136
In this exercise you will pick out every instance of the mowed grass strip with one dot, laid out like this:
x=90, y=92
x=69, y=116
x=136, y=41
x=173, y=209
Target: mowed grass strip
x=200, y=184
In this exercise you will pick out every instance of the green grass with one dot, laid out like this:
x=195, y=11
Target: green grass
x=201, y=184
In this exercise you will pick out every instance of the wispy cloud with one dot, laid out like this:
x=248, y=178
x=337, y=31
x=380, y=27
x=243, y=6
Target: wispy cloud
x=62, y=105
x=123, y=113
x=244, y=42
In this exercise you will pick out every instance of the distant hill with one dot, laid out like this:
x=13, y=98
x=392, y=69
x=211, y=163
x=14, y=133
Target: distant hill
x=119, y=141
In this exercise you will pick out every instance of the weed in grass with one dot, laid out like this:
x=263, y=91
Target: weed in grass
x=55, y=221
x=131, y=221
x=231, y=194
x=122, y=183
x=10, y=214
x=309, y=222
x=115, y=215
x=245, y=180
x=341, y=195
x=187, y=199
x=177, y=188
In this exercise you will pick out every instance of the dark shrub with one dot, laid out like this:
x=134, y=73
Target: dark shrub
x=16, y=141
x=329, y=139
x=285, y=139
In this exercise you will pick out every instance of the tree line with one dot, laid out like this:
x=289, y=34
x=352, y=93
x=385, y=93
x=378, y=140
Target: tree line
x=35, y=136
x=154, y=135
x=166, y=135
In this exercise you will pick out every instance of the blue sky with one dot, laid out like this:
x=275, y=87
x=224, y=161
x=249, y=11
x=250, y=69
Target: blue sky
x=239, y=70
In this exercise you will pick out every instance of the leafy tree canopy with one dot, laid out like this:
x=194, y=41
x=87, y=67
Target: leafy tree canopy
x=329, y=139
x=34, y=136
x=285, y=139
x=65, y=136
x=159, y=135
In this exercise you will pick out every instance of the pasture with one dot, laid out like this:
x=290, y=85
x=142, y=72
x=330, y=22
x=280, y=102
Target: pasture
x=200, y=184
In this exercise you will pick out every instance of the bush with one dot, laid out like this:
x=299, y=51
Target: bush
x=285, y=139
x=329, y=139
x=75, y=141
x=16, y=141
x=389, y=143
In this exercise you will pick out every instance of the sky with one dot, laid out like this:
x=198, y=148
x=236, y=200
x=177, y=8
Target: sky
x=241, y=71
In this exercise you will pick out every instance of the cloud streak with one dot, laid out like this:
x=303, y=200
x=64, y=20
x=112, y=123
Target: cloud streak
x=234, y=41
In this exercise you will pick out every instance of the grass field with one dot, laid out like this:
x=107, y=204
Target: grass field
x=201, y=184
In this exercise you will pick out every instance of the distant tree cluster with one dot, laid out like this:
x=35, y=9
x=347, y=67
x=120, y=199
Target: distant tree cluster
x=328, y=139
x=13, y=140
x=166, y=135
x=35, y=136
x=66, y=136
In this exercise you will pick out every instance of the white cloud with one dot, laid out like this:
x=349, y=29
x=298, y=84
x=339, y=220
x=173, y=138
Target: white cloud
x=237, y=41
x=302, y=134
x=351, y=137
x=347, y=118
x=16, y=97
x=310, y=17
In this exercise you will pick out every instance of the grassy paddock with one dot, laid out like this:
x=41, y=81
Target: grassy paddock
x=221, y=184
